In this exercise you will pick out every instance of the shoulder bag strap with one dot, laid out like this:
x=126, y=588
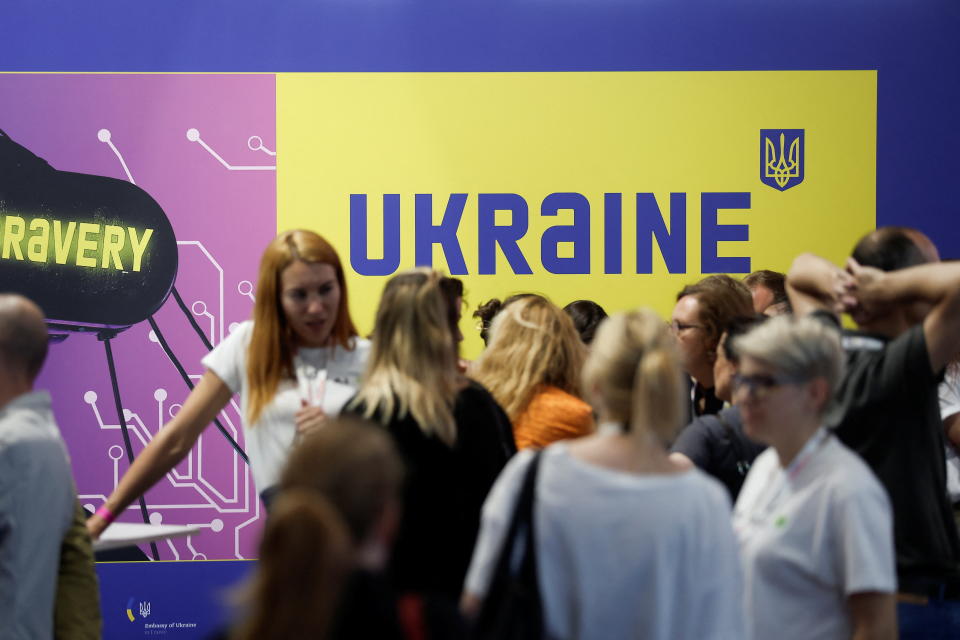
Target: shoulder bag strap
x=517, y=561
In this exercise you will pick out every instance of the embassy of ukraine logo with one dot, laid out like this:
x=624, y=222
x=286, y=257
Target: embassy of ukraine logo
x=781, y=158
x=144, y=609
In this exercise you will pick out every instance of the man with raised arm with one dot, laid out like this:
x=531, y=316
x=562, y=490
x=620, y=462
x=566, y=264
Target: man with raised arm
x=37, y=497
x=907, y=307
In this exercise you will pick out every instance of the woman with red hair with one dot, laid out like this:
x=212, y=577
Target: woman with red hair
x=296, y=362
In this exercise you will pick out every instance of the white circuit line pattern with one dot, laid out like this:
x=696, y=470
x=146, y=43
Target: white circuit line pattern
x=105, y=136
x=258, y=146
x=193, y=135
x=245, y=288
x=193, y=478
x=216, y=265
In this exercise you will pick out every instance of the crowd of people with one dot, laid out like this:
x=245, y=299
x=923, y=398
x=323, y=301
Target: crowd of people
x=747, y=468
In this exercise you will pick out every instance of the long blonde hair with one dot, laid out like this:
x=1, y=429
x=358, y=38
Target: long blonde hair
x=633, y=374
x=412, y=364
x=532, y=343
x=273, y=344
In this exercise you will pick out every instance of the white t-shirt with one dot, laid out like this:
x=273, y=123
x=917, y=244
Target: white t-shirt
x=621, y=555
x=949, y=392
x=268, y=442
x=810, y=536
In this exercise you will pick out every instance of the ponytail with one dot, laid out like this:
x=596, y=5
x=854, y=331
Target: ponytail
x=658, y=394
x=634, y=374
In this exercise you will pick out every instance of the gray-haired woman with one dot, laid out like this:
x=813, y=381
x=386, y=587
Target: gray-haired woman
x=813, y=522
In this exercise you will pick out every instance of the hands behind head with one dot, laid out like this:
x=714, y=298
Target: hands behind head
x=860, y=292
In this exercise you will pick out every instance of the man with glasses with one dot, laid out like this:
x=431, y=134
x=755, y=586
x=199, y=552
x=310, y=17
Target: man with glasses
x=699, y=317
x=716, y=443
x=907, y=306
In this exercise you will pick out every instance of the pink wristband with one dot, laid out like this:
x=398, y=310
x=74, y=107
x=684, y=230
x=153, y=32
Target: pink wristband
x=105, y=513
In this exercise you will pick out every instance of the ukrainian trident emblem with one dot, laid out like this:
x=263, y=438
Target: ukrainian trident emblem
x=781, y=158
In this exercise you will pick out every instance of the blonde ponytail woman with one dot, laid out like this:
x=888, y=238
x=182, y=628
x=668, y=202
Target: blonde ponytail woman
x=453, y=436
x=628, y=545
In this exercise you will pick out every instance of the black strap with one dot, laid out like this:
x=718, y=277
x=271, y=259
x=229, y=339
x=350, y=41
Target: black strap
x=512, y=607
x=526, y=524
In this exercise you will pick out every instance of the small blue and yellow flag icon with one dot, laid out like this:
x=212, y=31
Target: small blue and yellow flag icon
x=781, y=158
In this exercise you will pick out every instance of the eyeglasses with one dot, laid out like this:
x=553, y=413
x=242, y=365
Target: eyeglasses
x=760, y=385
x=676, y=326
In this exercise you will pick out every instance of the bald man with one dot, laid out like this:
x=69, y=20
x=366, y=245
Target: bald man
x=37, y=496
x=907, y=307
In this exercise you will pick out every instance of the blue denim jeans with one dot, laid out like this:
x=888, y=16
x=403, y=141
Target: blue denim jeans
x=936, y=620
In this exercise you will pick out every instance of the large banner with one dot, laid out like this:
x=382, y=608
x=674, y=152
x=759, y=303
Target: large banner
x=141, y=181
x=606, y=150
x=617, y=187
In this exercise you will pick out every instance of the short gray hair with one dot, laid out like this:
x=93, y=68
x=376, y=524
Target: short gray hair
x=803, y=348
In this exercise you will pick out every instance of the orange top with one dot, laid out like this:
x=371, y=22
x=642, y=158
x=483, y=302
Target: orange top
x=552, y=414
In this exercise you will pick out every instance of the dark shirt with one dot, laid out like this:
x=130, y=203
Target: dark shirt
x=445, y=490
x=717, y=445
x=369, y=609
x=889, y=414
x=703, y=401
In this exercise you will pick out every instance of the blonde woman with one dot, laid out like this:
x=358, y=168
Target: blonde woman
x=532, y=367
x=628, y=545
x=452, y=435
x=301, y=323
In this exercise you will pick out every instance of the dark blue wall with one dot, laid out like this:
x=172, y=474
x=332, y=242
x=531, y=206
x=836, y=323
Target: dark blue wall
x=914, y=45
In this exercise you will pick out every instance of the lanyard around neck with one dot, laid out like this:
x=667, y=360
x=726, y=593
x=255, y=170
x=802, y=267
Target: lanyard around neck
x=809, y=449
x=764, y=508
